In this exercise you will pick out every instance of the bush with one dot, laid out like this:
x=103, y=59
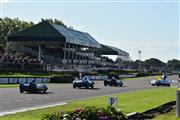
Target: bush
x=113, y=74
x=143, y=74
x=65, y=78
x=87, y=113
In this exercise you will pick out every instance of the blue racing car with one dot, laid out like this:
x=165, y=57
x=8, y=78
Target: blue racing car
x=33, y=88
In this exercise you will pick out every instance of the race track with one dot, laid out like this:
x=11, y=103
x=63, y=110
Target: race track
x=12, y=100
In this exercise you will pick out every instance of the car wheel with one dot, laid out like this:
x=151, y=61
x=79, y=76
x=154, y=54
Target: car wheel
x=21, y=91
x=74, y=86
x=105, y=85
x=92, y=86
x=87, y=87
x=44, y=91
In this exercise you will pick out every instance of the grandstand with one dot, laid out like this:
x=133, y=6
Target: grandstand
x=60, y=47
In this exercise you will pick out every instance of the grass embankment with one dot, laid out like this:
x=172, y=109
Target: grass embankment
x=168, y=116
x=137, y=78
x=129, y=102
x=8, y=85
x=27, y=74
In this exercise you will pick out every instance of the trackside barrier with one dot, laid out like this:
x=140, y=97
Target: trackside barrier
x=176, y=84
x=178, y=103
x=127, y=76
x=103, y=77
x=13, y=80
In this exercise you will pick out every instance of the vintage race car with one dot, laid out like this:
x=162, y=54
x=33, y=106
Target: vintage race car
x=161, y=82
x=113, y=82
x=84, y=82
x=33, y=88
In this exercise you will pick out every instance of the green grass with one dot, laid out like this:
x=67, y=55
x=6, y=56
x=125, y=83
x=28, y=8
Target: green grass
x=137, y=78
x=168, y=116
x=24, y=75
x=8, y=85
x=129, y=102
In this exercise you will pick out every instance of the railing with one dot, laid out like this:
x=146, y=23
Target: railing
x=14, y=80
x=21, y=66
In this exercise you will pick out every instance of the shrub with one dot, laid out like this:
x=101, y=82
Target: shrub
x=87, y=113
x=113, y=74
x=65, y=78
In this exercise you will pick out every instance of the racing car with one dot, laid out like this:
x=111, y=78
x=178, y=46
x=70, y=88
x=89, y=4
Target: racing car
x=35, y=88
x=161, y=82
x=113, y=82
x=84, y=82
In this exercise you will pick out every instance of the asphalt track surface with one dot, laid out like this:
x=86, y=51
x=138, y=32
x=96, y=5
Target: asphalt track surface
x=12, y=100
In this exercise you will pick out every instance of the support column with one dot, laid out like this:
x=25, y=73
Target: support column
x=178, y=103
x=68, y=52
x=72, y=57
x=76, y=53
x=39, y=52
x=79, y=54
x=64, y=52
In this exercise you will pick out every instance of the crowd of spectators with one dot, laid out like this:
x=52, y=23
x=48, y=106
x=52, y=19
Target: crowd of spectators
x=7, y=58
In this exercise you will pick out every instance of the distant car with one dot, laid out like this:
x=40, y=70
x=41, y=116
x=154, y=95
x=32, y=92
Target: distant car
x=113, y=82
x=84, y=82
x=33, y=88
x=161, y=82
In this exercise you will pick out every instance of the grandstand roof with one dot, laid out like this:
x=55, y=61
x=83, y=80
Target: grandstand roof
x=46, y=31
x=109, y=50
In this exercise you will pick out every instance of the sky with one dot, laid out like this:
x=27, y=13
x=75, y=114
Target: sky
x=150, y=26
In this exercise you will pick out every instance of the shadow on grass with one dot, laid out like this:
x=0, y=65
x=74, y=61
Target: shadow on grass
x=83, y=88
x=39, y=93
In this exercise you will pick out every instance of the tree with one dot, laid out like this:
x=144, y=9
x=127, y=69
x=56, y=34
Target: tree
x=173, y=64
x=54, y=21
x=9, y=26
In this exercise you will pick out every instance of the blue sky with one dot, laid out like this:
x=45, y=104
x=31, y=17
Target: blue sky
x=151, y=26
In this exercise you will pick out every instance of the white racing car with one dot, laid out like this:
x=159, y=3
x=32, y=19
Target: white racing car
x=161, y=82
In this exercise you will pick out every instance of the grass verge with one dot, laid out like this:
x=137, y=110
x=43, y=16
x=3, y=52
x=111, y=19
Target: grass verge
x=8, y=85
x=137, y=78
x=168, y=116
x=139, y=101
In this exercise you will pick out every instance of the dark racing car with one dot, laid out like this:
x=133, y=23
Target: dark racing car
x=113, y=82
x=33, y=88
x=84, y=82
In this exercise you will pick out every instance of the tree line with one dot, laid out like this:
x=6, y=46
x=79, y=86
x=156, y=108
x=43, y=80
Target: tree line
x=152, y=64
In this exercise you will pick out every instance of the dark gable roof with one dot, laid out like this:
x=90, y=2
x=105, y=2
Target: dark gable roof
x=39, y=32
x=109, y=50
x=52, y=32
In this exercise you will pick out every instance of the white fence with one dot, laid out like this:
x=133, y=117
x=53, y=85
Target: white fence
x=11, y=80
x=127, y=76
x=106, y=77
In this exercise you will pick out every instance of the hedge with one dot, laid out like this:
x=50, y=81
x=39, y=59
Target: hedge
x=87, y=113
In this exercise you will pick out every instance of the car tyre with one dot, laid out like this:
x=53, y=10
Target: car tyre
x=74, y=86
x=21, y=91
x=44, y=91
x=92, y=86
